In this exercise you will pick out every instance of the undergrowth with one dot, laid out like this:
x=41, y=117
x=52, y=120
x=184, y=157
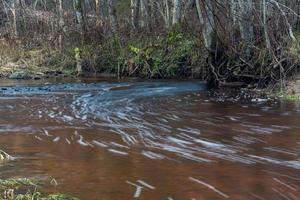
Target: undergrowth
x=26, y=189
x=171, y=55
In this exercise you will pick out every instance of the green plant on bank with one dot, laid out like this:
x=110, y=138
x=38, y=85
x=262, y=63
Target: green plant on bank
x=14, y=183
x=175, y=54
x=292, y=97
x=26, y=189
x=286, y=96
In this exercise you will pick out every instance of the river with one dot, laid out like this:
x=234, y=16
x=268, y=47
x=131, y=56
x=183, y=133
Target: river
x=108, y=140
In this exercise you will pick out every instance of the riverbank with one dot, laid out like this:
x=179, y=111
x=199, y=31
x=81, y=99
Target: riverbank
x=17, y=62
x=170, y=55
x=176, y=54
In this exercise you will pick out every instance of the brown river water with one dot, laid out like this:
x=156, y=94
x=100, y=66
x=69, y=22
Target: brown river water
x=159, y=140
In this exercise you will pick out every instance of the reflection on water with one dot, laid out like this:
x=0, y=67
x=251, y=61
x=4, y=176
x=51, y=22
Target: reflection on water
x=149, y=140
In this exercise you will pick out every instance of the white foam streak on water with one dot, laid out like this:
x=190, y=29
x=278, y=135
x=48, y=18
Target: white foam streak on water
x=136, y=113
x=118, y=152
x=153, y=155
x=291, y=163
x=285, y=184
x=100, y=144
x=281, y=150
x=209, y=186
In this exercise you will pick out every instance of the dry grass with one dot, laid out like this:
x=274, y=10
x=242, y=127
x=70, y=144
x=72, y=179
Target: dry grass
x=32, y=62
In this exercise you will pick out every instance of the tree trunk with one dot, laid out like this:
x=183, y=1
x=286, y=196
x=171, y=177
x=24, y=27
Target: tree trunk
x=267, y=39
x=78, y=7
x=167, y=14
x=233, y=10
x=206, y=18
x=290, y=28
x=176, y=11
x=112, y=15
x=245, y=23
x=61, y=23
x=97, y=6
x=144, y=19
x=97, y=9
x=78, y=61
x=14, y=10
x=135, y=13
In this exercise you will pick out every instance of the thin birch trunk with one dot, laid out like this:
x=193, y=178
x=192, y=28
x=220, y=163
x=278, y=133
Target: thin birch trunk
x=267, y=39
x=206, y=18
x=233, y=7
x=61, y=23
x=245, y=22
x=144, y=19
x=135, y=13
x=167, y=13
x=15, y=15
x=112, y=16
x=176, y=11
x=97, y=10
x=78, y=7
x=132, y=6
x=290, y=29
